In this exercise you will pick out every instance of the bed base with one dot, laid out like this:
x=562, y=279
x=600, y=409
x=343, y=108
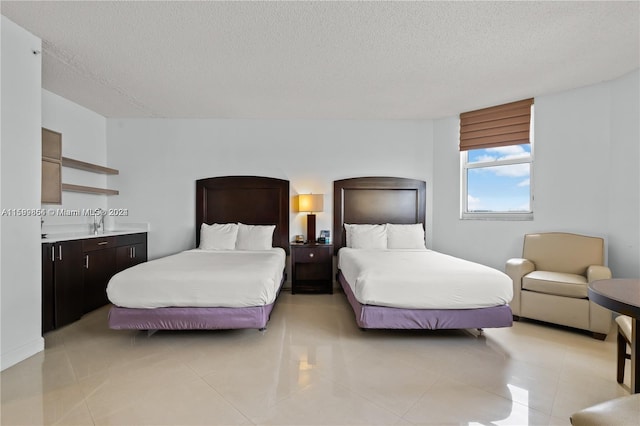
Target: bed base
x=189, y=318
x=382, y=317
x=192, y=318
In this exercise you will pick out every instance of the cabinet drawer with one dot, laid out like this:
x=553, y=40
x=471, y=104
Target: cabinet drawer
x=129, y=239
x=313, y=255
x=98, y=243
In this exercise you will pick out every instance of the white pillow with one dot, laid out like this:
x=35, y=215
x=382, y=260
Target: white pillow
x=218, y=236
x=366, y=236
x=255, y=237
x=405, y=236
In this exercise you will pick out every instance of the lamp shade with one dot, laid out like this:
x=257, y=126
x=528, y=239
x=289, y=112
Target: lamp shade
x=310, y=202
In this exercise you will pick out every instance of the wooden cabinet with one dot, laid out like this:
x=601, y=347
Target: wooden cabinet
x=106, y=256
x=312, y=268
x=132, y=249
x=48, y=312
x=99, y=266
x=62, y=284
x=51, y=167
x=75, y=274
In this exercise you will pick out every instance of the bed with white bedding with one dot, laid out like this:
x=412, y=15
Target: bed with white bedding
x=391, y=280
x=422, y=279
x=201, y=278
x=231, y=280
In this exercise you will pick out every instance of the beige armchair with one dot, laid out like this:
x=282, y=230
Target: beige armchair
x=550, y=281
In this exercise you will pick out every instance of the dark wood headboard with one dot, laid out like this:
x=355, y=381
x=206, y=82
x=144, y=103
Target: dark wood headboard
x=252, y=200
x=376, y=200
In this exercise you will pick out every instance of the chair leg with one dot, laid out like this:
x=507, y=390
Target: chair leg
x=621, y=357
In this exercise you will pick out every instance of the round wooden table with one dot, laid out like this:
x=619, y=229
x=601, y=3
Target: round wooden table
x=622, y=296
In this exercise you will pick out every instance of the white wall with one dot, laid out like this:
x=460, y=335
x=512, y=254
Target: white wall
x=160, y=160
x=20, y=152
x=585, y=178
x=624, y=178
x=83, y=138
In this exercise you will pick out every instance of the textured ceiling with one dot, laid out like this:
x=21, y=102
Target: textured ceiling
x=319, y=60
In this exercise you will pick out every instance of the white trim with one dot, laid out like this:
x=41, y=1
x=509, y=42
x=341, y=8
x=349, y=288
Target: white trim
x=21, y=353
x=464, y=196
x=495, y=163
x=496, y=216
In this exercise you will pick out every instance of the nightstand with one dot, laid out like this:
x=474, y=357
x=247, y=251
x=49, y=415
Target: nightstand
x=311, y=268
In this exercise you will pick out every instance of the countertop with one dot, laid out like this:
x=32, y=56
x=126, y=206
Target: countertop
x=53, y=237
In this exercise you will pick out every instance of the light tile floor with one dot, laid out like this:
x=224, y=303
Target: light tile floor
x=313, y=366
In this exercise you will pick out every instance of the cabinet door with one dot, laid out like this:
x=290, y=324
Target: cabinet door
x=139, y=253
x=123, y=258
x=131, y=255
x=68, y=287
x=131, y=251
x=99, y=266
x=48, y=302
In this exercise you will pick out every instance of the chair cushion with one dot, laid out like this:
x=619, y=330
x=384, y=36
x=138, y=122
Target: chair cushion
x=620, y=411
x=558, y=283
x=624, y=325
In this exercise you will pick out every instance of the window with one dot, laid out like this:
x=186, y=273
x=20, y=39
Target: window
x=496, y=160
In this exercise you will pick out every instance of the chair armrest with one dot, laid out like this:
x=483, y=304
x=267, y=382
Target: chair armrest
x=517, y=268
x=598, y=272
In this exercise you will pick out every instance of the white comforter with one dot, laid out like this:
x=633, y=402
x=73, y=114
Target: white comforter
x=422, y=279
x=201, y=278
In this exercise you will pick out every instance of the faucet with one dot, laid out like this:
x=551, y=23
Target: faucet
x=98, y=221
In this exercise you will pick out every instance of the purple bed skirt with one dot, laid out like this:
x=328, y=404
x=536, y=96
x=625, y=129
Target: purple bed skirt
x=189, y=318
x=382, y=317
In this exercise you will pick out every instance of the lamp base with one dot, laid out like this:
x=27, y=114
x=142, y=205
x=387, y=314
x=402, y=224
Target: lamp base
x=311, y=228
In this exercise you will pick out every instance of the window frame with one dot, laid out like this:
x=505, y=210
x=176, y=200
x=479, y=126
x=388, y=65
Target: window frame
x=465, y=214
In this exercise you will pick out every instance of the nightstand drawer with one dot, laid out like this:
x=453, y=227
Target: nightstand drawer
x=312, y=268
x=313, y=255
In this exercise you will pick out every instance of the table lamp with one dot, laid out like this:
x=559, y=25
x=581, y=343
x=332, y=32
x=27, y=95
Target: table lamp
x=310, y=203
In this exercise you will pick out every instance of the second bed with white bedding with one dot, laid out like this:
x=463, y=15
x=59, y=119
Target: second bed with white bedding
x=201, y=278
x=422, y=279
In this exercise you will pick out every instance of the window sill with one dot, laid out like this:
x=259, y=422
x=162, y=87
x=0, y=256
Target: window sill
x=497, y=216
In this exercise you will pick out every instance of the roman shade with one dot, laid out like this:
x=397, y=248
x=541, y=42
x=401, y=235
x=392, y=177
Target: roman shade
x=501, y=125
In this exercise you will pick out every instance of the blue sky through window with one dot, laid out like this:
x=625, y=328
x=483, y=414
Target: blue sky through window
x=499, y=188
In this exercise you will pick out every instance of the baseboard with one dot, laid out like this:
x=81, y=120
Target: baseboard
x=14, y=356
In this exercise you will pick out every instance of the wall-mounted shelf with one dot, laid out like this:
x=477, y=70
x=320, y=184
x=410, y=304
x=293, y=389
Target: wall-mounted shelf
x=88, y=189
x=52, y=163
x=89, y=167
x=51, y=167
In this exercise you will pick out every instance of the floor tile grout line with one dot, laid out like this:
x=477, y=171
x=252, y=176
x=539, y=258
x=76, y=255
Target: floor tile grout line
x=227, y=401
